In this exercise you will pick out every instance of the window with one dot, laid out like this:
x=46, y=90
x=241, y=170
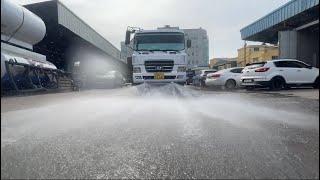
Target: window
x=274, y=57
x=297, y=64
x=290, y=64
x=159, y=41
x=237, y=70
x=256, y=49
x=281, y=64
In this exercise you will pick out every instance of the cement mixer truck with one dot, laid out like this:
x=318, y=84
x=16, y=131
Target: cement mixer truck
x=158, y=55
x=21, y=68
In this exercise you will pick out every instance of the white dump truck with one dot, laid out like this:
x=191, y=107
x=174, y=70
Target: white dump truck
x=159, y=55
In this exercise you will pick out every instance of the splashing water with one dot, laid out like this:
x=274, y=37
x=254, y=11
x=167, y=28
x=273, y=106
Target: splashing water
x=147, y=102
x=126, y=122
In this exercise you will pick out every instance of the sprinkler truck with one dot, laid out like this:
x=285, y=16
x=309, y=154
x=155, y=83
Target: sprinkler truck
x=159, y=56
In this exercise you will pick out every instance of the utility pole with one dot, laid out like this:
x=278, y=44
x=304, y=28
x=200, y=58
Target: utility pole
x=212, y=47
x=245, y=52
x=212, y=51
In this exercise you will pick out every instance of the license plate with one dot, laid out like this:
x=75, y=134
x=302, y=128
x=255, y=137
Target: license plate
x=248, y=80
x=159, y=75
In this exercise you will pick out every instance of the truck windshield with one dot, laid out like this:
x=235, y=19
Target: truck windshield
x=159, y=42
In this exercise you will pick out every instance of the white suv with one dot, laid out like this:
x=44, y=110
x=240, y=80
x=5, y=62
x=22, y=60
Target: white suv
x=278, y=74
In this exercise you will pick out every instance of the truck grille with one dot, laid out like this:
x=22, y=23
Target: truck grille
x=159, y=66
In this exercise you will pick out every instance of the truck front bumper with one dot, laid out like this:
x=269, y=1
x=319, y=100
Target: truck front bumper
x=168, y=78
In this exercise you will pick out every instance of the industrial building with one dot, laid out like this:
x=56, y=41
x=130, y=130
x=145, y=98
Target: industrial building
x=198, y=54
x=222, y=63
x=295, y=26
x=70, y=40
x=256, y=53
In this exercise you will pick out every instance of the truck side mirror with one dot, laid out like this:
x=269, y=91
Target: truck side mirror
x=127, y=41
x=188, y=43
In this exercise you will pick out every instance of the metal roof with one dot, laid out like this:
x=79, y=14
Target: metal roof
x=277, y=16
x=67, y=34
x=71, y=21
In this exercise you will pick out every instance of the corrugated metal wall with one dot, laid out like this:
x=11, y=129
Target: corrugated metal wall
x=76, y=25
x=288, y=10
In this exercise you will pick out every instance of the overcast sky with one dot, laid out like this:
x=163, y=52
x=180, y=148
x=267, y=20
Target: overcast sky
x=222, y=19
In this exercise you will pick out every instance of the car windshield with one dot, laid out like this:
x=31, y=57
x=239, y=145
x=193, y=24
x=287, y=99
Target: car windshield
x=159, y=42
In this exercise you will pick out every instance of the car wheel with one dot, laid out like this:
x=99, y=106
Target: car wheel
x=277, y=84
x=316, y=83
x=230, y=84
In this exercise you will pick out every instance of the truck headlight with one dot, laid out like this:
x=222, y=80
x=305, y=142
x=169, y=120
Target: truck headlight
x=136, y=70
x=182, y=69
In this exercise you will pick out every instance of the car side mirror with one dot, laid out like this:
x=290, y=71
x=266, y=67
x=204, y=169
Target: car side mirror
x=309, y=67
x=188, y=43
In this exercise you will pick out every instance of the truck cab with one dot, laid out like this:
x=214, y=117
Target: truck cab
x=159, y=56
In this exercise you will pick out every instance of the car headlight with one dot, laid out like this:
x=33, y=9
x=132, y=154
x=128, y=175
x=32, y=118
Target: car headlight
x=182, y=69
x=136, y=70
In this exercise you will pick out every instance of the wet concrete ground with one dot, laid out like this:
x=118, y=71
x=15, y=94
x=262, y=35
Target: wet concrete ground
x=162, y=132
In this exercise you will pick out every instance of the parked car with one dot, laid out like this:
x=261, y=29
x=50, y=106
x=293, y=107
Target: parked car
x=110, y=79
x=229, y=78
x=279, y=74
x=200, y=77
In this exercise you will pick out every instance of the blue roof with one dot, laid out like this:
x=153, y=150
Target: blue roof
x=277, y=16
